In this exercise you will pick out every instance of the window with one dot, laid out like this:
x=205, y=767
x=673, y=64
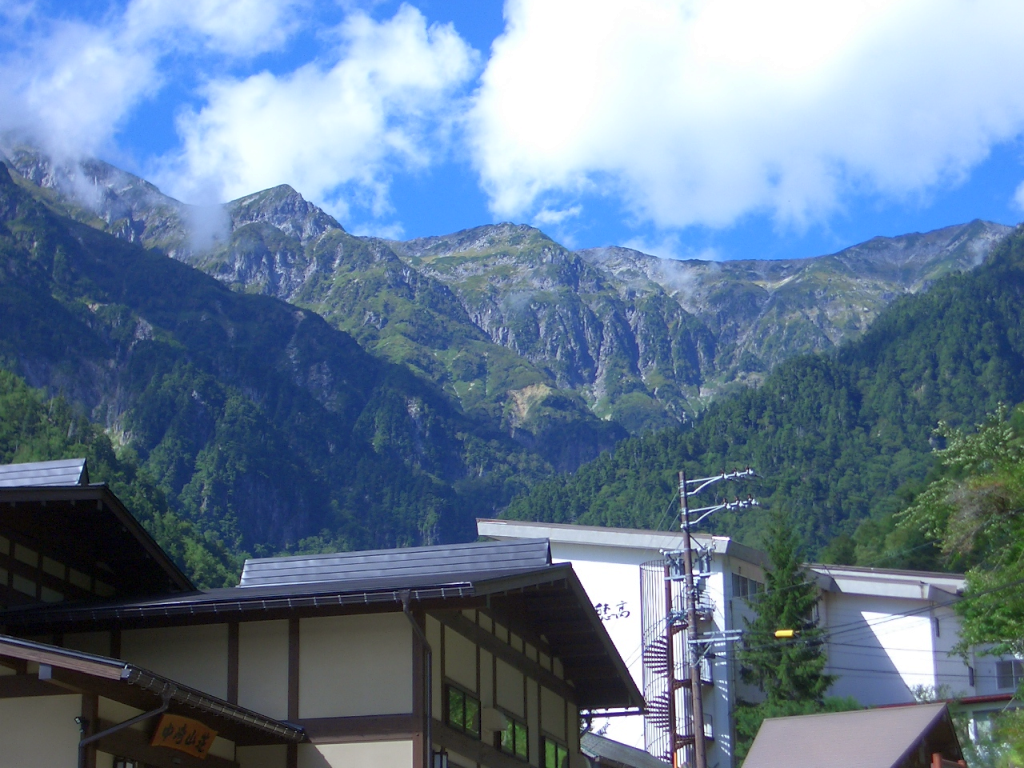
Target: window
x=463, y=711
x=554, y=754
x=744, y=587
x=937, y=632
x=1009, y=673
x=512, y=740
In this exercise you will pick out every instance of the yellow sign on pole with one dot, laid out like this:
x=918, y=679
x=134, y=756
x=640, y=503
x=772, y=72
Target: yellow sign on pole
x=184, y=734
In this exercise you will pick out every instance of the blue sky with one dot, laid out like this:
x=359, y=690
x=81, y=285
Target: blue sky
x=687, y=128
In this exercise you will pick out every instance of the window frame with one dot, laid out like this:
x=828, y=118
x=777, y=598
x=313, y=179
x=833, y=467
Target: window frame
x=517, y=725
x=745, y=587
x=1009, y=669
x=545, y=740
x=461, y=726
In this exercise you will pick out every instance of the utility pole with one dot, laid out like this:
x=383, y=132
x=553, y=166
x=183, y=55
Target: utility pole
x=692, y=631
x=692, y=649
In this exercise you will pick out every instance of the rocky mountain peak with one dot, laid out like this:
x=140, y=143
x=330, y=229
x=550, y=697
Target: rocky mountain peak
x=962, y=246
x=475, y=241
x=285, y=209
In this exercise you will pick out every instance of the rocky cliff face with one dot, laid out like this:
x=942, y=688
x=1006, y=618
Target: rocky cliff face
x=636, y=358
x=516, y=326
x=762, y=312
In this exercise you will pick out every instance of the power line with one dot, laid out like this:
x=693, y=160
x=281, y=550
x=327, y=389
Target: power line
x=831, y=633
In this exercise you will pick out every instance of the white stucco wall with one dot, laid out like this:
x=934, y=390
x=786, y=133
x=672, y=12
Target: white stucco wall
x=39, y=731
x=263, y=667
x=370, y=754
x=355, y=665
x=885, y=650
x=196, y=656
x=611, y=577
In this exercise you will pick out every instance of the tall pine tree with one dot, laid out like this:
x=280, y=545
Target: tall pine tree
x=789, y=672
x=785, y=670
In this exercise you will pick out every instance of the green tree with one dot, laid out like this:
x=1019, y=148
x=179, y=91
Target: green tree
x=789, y=672
x=785, y=670
x=974, y=511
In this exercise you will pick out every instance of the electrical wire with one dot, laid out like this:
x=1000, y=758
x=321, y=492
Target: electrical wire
x=829, y=634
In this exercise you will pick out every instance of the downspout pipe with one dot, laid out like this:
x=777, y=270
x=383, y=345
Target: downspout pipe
x=87, y=740
x=428, y=676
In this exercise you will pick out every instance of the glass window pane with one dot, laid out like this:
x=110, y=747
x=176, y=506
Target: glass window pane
x=472, y=716
x=521, y=750
x=550, y=754
x=456, y=713
x=508, y=739
x=1004, y=674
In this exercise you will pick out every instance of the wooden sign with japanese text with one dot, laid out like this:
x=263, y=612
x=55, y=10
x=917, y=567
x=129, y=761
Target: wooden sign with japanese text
x=184, y=734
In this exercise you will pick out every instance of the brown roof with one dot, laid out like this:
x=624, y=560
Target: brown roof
x=866, y=738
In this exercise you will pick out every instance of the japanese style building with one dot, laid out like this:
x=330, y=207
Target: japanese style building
x=469, y=655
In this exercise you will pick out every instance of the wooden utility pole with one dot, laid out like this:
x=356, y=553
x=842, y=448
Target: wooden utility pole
x=691, y=650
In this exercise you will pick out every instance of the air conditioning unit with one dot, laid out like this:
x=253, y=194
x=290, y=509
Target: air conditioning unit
x=492, y=720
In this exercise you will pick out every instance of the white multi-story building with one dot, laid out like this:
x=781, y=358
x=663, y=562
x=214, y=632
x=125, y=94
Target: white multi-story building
x=890, y=634
x=608, y=562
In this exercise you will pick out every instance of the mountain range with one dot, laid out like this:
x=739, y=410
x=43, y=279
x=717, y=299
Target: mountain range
x=518, y=328
x=289, y=385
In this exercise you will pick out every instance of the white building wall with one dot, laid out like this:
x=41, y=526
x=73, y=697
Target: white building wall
x=878, y=656
x=884, y=645
x=40, y=731
x=611, y=576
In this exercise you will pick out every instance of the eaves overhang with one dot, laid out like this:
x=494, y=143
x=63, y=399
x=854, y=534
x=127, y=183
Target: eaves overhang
x=91, y=520
x=551, y=599
x=75, y=671
x=620, y=538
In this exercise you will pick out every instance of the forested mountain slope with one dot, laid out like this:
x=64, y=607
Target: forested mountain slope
x=835, y=437
x=276, y=243
x=521, y=330
x=258, y=420
x=33, y=428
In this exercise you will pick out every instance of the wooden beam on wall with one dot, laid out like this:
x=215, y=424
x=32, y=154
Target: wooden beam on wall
x=508, y=654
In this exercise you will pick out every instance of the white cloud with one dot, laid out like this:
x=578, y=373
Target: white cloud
x=237, y=27
x=667, y=247
x=70, y=89
x=329, y=129
x=70, y=84
x=670, y=247
x=547, y=216
x=1018, y=196
x=699, y=111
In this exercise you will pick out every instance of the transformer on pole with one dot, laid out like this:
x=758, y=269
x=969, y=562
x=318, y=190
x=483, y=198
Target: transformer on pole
x=673, y=606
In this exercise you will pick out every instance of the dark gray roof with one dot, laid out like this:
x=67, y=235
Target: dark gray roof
x=400, y=567
x=514, y=578
x=87, y=527
x=866, y=738
x=44, y=473
x=609, y=752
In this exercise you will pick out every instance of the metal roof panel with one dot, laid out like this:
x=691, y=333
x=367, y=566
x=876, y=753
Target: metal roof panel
x=44, y=473
x=434, y=564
